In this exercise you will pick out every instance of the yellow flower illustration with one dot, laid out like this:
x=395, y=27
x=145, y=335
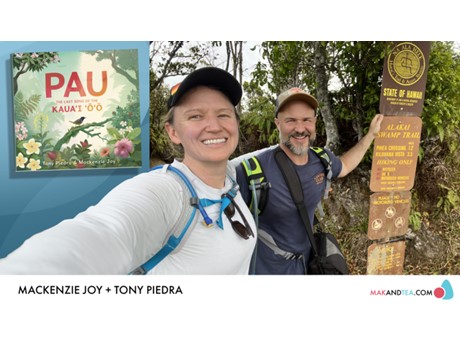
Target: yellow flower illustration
x=21, y=160
x=32, y=147
x=34, y=164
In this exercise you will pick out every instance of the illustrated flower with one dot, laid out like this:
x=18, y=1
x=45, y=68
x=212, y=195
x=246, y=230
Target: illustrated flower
x=123, y=148
x=125, y=131
x=18, y=55
x=20, y=130
x=123, y=123
x=80, y=165
x=34, y=55
x=32, y=147
x=84, y=143
x=34, y=164
x=21, y=160
x=105, y=151
x=52, y=155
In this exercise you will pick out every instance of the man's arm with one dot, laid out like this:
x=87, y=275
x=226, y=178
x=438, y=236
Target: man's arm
x=353, y=157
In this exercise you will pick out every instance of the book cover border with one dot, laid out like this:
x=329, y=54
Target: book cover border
x=76, y=118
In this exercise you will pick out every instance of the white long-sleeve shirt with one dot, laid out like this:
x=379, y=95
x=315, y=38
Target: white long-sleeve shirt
x=130, y=224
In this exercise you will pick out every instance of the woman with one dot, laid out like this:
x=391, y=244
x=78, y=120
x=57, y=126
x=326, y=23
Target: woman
x=132, y=222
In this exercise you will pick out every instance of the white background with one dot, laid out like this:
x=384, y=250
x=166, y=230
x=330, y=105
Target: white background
x=231, y=310
x=227, y=309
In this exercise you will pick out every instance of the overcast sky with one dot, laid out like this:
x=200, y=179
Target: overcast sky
x=250, y=59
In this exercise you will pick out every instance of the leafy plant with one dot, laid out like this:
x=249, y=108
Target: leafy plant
x=25, y=107
x=415, y=220
x=451, y=200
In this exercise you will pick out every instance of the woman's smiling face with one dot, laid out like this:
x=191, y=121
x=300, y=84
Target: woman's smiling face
x=206, y=125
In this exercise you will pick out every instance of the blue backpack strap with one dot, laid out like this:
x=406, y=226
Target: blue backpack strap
x=173, y=241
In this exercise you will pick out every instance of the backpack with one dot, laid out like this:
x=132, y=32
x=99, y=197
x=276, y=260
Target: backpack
x=175, y=235
x=328, y=259
x=186, y=219
x=259, y=186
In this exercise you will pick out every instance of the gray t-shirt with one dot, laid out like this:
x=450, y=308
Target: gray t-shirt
x=280, y=218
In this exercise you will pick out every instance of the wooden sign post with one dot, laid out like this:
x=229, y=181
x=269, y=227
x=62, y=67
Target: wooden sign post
x=389, y=215
x=404, y=79
x=395, y=154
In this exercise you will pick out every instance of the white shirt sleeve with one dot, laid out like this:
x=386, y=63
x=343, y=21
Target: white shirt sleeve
x=115, y=236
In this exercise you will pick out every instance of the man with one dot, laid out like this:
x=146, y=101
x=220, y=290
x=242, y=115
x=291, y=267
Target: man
x=295, y=118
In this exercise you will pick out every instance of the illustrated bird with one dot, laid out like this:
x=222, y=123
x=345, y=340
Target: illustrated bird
x=79, y=121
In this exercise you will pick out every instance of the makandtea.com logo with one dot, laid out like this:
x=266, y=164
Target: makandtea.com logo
x=445, y=291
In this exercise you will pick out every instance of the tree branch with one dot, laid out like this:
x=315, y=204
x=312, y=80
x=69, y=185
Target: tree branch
x=123, y=72
x=164, y=71
x=73, y=131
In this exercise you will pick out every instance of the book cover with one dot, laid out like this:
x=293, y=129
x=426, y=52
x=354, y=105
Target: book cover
x=76, y=110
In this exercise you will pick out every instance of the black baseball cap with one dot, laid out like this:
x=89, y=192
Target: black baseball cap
x=208, y=76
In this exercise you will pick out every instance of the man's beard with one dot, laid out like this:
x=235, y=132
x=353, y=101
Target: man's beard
x=298, y=150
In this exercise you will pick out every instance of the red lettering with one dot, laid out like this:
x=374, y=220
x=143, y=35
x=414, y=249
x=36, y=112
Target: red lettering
x=55, y=81
x=49, y=86
x=77, y=88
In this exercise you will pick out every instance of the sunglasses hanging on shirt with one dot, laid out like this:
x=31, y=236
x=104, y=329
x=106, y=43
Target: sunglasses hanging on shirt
x=245, y=230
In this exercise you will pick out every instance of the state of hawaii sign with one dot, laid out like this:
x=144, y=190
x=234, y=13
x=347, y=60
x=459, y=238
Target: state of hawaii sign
x=76, y=110
x=404, y=78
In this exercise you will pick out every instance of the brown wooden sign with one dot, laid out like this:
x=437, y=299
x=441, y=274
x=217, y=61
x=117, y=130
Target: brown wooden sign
x=388, y=215
x=386, y=258
x=404, y=78
x=395, y=154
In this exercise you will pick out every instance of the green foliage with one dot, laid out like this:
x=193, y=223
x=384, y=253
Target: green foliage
x=133, y=135
x=354, y=95
x=46, y=142
x=125, y=58
x=286, y=64
x=358, y=66
x=450, y=200
x=355, y=70
x=123, y=61
x=160, y=145
x=415, y=219
x=441, y=116
x=82, y=150
x=25, y=107
x=128, y=116
x=68, y=154
x=258, y=122
x=41, y=124
x=33, y=61
x=115, y=134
